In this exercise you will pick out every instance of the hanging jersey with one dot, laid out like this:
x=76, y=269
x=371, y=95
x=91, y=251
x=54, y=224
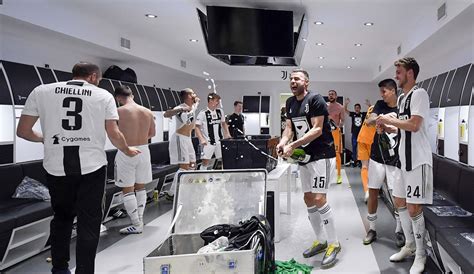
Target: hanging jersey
x=366, y=134
x=185, y=117
x=73, y=116
x=300, y=113
x=415, y=147
x=384, y=148
x=210, y=122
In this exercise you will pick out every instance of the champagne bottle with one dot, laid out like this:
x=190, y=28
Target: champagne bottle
x=300, y=156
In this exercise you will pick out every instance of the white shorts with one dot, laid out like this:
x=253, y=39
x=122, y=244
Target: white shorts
x=416, y=185
x=379, y=172
x=209, y=150
x=317, y=176
x=131, y=170
x=181, y=149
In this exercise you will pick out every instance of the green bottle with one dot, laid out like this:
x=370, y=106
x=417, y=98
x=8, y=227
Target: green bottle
x=300, y=156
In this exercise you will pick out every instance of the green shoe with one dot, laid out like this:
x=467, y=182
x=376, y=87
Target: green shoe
x=329, y=258
x=339, y=179
x=371, y=236
x=316, y=247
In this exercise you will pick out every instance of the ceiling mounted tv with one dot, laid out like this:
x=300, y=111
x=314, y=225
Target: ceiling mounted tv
x=250, y=32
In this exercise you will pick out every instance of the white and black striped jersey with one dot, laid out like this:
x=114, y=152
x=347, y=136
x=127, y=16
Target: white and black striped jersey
x=72, y=116
x=210, y=122
x=185, y=117
x=414, y=149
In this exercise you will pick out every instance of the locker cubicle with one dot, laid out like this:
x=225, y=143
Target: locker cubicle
x=256, y=111
x=18, y=80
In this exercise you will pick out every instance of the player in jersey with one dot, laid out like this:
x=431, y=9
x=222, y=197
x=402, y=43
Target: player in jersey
x=336, y=115
x=364, y=143
x=131, y=174
x=181, y=147
x=357, y=121
x=74, y=117
x=384, y=163
x=307, y=127
x=235, y=121
x=211, y=128
x=416, y=186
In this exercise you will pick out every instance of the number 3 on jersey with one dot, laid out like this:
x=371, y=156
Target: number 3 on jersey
x=74, y=107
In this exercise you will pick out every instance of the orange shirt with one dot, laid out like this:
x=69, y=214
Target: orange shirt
x=366, y=134
x=336, y=113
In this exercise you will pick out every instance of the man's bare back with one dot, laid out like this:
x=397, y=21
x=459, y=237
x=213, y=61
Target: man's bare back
x=136, y=123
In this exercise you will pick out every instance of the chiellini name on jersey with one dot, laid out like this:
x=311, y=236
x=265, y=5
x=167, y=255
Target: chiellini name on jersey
x=73, y=91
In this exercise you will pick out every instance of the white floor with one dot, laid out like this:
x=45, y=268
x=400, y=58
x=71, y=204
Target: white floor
x=126, y=255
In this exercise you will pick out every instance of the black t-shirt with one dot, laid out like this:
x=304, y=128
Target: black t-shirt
x=235, y=121
x=357, y=121
x=385, y=146
x=300, y=113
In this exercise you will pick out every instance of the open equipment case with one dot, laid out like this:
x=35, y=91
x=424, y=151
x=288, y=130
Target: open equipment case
x=204, y=199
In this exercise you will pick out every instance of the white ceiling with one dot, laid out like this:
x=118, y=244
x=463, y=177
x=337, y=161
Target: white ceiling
x=177, y=22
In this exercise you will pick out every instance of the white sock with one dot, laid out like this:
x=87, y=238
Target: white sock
x=175, y=181
x=399, y=224
x=141, y=203
x=316, y=223
x=203, y=167
x=130, y=203
x=328, y=222
x=407, y=226
x=371, y=218
x=419, y=230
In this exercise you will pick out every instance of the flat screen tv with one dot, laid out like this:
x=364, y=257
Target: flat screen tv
x=250, y=32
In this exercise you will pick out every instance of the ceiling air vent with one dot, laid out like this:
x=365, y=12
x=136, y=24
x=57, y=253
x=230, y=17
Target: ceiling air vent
x=399, y=50
x=442, y=11
x=183, y=64
x=380, y=68
x=125, y=43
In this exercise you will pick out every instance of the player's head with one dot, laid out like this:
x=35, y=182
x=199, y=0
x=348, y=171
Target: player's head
x=87, y=72
x=357, y=108
x=122, y=94
x=332, y=96
x=407, y=70
x=213, y=100
x=388, y=90
x=238, y=105
x=299, y=81
x=188, y=96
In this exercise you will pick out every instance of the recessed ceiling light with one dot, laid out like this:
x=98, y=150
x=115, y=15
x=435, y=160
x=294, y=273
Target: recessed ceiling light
x=321, y=57
x=348, y=67
x=321, y=66
x=320, y=44
x=193, y=40
x=368, y=24
x=353, y=58
x=149, y=15
x=358, y=44
x=319, y=23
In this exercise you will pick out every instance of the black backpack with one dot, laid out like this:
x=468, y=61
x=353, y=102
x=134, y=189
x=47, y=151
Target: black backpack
x=241, y=237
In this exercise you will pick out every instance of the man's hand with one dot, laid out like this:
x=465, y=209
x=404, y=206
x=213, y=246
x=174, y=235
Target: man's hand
x=279, y=149
x=380, y=128
x=196, y=100
x=288, y=150
x=186, y=108
x=203, y=142
x=347, y=101
x=367, y=102
x=386, y=119
x=132, y=151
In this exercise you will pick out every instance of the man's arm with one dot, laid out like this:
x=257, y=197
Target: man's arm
x=200, y=136
x=346, y=104
x=25, y=129
x=177, y=110
x=371, y=119
x=117, y=138
x=226, y=130
x=152, y=129
x=286, y=136
x=413, y=124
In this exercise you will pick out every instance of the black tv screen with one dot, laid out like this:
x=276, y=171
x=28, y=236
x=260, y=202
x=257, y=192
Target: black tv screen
x=250, y=32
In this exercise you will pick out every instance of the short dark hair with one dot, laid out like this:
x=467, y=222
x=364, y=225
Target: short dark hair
x=83, y=70
x=184, y=92
x=302, y=71
x=409, y=63
x=357, y=105
x=388, y=83
x=123, y=91
x=332, y=91
x=238, y=102
x=213, y=95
